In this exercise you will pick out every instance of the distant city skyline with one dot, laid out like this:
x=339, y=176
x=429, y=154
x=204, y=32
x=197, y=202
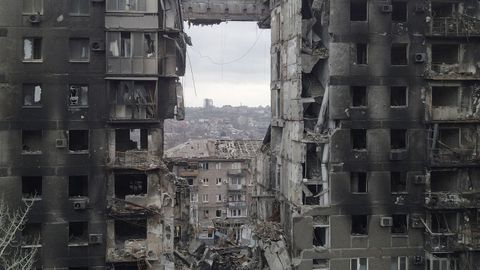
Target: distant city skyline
x=230, y=63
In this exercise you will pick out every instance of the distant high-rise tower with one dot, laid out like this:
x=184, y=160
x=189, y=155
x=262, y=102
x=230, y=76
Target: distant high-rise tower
x=208, y=103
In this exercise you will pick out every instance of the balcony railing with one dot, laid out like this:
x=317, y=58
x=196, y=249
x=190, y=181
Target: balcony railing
x=235, y=172
x=237, y=204
x=454, y=156
x=441, y=242
x=136, y=159
x=460, y=25
x=188, y=172
x=235, y=187
x=450, y=200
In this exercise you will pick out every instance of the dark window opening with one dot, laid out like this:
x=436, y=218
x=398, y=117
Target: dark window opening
x=31, y=233
x=190, y=181
x=444, y=96
x=320, y=263
x=78, y=186
x=449, y=138
x=32, y=95
x=362, y=54
x=79, y=7
x=32, y=141
x=203, y=165
x=399, y=12
x=358, y=182
x=130, y=184
x=319, y=236
x=359, y=139
x=126, y=266
x=311, y=195
x=398, y=139
x=398, y=182
x=218, y=213
x=359, y=96
x=131, y=139
x=77, y=232
x=398, y=96
x=32, y=49
x=133, y=99
x=78, y=140
x=445, y=53
x=400, y=224
x=130, y=229
x=399, y=54
x=78, y=95
x=359, y=225
x=444, y=222
x=31, y=186
x=443, y=181
x=443, y=9
x=358, y=10
x=79, y=49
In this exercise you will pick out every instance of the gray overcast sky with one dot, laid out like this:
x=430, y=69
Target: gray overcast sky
x=246, y=81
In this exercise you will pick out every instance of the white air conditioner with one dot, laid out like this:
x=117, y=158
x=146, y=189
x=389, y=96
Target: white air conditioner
x=95, y=238
x=386, y=221
x=60, y=143
x=80, y=204
x=35, y=18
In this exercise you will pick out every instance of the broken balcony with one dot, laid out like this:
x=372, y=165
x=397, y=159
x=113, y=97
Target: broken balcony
x=130, y=195
x=453, y=24
x=442, y=242
x=453, y=146
x=451, y=200
x=235, y=172
x=190, y=170
x=133, y=100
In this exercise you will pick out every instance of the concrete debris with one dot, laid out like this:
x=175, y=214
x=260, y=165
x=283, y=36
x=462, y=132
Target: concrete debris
x=222, y=149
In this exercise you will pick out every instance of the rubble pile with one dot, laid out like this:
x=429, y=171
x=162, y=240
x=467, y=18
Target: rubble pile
x=269, y=231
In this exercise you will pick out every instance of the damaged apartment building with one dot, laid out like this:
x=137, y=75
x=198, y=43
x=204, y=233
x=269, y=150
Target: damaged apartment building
x=219, y=174
x=85, y=86
x=372, y=157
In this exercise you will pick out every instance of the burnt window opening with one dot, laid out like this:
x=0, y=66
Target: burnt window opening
x=321, y=263
x=399, y=55
x=129, y=229
x=78, y=95
x=78, y=232
x=400, y=224
x=359, y=96
x=78, y=140
x=399, y=11
x=311, y=194
x=32, y=49
x=443, y=181
x=358, y=182
x=218, y=213
x=359, y=225
x=79, y=49
x=31, y=233
x=444, y=96
x=133, y=99
x=398, y=139
x=358, y=10
x=449, y=138
x=398, y=96
x=32, y=141
x=359, y=139
x=206, y=214
x=362, y=54
x=398, y=182
x=32, y=95
x=79, y=7
x=445, y=222
x=190, y=181
x=31, y=187
x=78, y=186
x=125, y=266
x=130, y=184
x=443, y=9
x=320, y=236
x=445, y=54
x=131, y=139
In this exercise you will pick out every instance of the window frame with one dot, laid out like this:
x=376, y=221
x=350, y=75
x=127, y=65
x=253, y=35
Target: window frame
x=358, y=265
x=32, y=12
x=79, y=60
x=406, y=96
x=40, y=105
x=80, y=85
x=83, y=151
x=398, y=259
x=407, y=49
x=32, y=60
x=74, y=14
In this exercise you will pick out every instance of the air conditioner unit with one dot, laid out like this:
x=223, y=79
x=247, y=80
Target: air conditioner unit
x=60, y=143
x=420, y=57
x=97, y=46
x=80, y=204
x=419, y=179
x=386, y=221
x=95, y=238
x=35, y=18
x=417, y=259
x=386, y=8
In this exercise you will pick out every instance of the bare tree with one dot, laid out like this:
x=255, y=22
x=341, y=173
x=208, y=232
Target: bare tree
x=12, y=255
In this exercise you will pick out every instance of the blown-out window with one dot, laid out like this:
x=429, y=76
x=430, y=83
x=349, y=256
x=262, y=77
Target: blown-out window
x=78, y=95
x=79, y=49
x=32, y=49
x=33, y=7
x=131, y=44
x=127, y=5
x=132, y=99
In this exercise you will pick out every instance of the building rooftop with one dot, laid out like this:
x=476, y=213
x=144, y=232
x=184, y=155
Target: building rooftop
x=214, y=149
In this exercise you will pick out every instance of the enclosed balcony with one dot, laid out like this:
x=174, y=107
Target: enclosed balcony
x=132, y=100
x=450, y=200
x=442, y=242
